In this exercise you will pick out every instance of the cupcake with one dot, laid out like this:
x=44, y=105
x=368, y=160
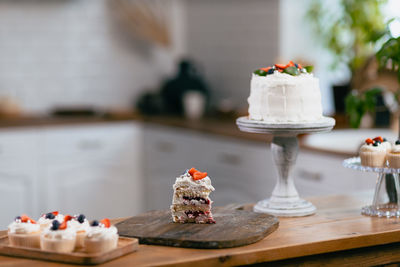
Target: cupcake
x=59, y=237
x=384, y=142
x=373, y=153
x=81, y=226
x=24, y=232
x=46, y=219
x=393, y=156
x=101, y=237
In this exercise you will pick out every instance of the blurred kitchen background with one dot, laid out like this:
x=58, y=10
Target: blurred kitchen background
x=104, y=102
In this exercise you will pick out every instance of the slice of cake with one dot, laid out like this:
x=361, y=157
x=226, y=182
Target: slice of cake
x=190, y=203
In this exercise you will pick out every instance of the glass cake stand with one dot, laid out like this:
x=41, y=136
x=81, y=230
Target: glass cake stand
x=285, y=200
x=386, y=202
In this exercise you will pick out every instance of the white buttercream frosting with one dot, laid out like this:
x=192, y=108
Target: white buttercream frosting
x=280, y=97
x=387, y=145
x=79, y=227
x=395, y=149
x=44, y=223
x=187, y=181
x=371, y=148
x=67, y=233
x=101, y=233
x=23, y=227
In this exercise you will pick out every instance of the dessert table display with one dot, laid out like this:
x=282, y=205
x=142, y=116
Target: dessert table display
x=338, y=234
x=386, y=201
x=285, y=200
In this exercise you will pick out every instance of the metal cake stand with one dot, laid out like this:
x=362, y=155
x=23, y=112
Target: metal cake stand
x=285, y=200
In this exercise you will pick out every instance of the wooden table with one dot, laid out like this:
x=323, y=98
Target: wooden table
x=336, y=235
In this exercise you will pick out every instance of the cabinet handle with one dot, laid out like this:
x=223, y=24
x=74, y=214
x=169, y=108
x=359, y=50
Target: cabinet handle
x=165, y=147
x=309, y=175
x=90, y=145
x=230, y=159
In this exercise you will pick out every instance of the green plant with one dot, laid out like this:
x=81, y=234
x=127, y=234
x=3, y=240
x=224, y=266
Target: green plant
x=349, y=33
x=389, y=53
x=358, y=104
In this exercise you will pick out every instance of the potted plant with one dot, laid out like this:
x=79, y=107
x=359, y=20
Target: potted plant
x=350, y=31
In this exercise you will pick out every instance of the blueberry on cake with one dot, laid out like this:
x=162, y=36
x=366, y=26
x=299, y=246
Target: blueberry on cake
x=190, y=203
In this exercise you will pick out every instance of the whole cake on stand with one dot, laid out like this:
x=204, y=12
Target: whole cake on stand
x=285, y=100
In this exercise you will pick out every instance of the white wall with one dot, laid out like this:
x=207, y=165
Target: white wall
x=298, y=42
x=230, y=39
x=68, y=52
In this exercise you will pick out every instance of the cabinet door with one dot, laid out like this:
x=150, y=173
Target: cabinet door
x=95, y=170
x=18, y=174
x=95, y=189
x=321, y=174
x=17, y=196
x=240, y=171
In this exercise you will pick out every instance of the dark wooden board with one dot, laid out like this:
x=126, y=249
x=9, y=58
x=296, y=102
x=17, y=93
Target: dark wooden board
x=125, y=246
x=233, y=228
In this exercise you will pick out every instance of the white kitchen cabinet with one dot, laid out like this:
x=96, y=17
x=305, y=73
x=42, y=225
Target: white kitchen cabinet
x=240, y=171
x=18, y=173
x=322, y=174
x=95, y=170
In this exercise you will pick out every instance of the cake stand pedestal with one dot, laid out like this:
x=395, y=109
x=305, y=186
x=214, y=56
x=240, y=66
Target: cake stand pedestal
x=285, y=200
x=386, y=201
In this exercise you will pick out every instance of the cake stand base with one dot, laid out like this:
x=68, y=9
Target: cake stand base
x=385, y=210
x=285, y=200
x=297, y=208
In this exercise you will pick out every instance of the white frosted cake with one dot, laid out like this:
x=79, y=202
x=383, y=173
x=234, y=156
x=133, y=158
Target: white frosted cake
x=191, y=202
x=284, y=94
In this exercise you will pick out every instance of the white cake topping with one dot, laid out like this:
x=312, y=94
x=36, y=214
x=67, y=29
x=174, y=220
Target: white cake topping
x=23, y=227
x=45, y=223
x=395, y=149
x=79, y=227
x=387, y=145
x=67, y=233
x=101, y=233
x=371, y=148
x=280, y=98
x=187, y=181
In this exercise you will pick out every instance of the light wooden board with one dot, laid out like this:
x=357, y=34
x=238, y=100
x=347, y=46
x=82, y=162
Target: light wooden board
x=233, y=228
x=125, y=246
x=337, y=235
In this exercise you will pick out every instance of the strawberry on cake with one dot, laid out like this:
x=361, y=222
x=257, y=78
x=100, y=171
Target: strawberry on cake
x=190, y=203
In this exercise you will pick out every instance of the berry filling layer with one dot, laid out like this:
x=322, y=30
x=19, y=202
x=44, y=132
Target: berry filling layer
x=195, y=200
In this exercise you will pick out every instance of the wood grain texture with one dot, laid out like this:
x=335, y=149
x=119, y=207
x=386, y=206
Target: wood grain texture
x=125, y=246
x=233, y=228
x=338, y=231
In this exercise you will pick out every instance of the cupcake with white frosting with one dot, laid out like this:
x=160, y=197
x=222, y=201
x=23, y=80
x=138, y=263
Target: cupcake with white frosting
x=393, y=156
x=81, y=226
x=45, y=221
x=24, y=232
x=385, y=143
x=101, y=237
x=373, y=153
x=59, y=237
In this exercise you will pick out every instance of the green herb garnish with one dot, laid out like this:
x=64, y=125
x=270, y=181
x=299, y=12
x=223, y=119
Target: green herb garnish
x=260, y=72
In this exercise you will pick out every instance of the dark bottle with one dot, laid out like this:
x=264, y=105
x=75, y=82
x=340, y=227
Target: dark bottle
x=173, y=90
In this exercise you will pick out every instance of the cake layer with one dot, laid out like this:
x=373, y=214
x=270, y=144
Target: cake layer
x=193, y=217
x=281, y=97
x=182, y=207
x=194, y=200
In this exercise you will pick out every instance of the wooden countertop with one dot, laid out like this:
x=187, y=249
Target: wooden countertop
x=338, y=234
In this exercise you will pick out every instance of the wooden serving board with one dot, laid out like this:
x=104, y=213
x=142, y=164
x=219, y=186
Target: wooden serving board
x=233, y=228
x=125, y=246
